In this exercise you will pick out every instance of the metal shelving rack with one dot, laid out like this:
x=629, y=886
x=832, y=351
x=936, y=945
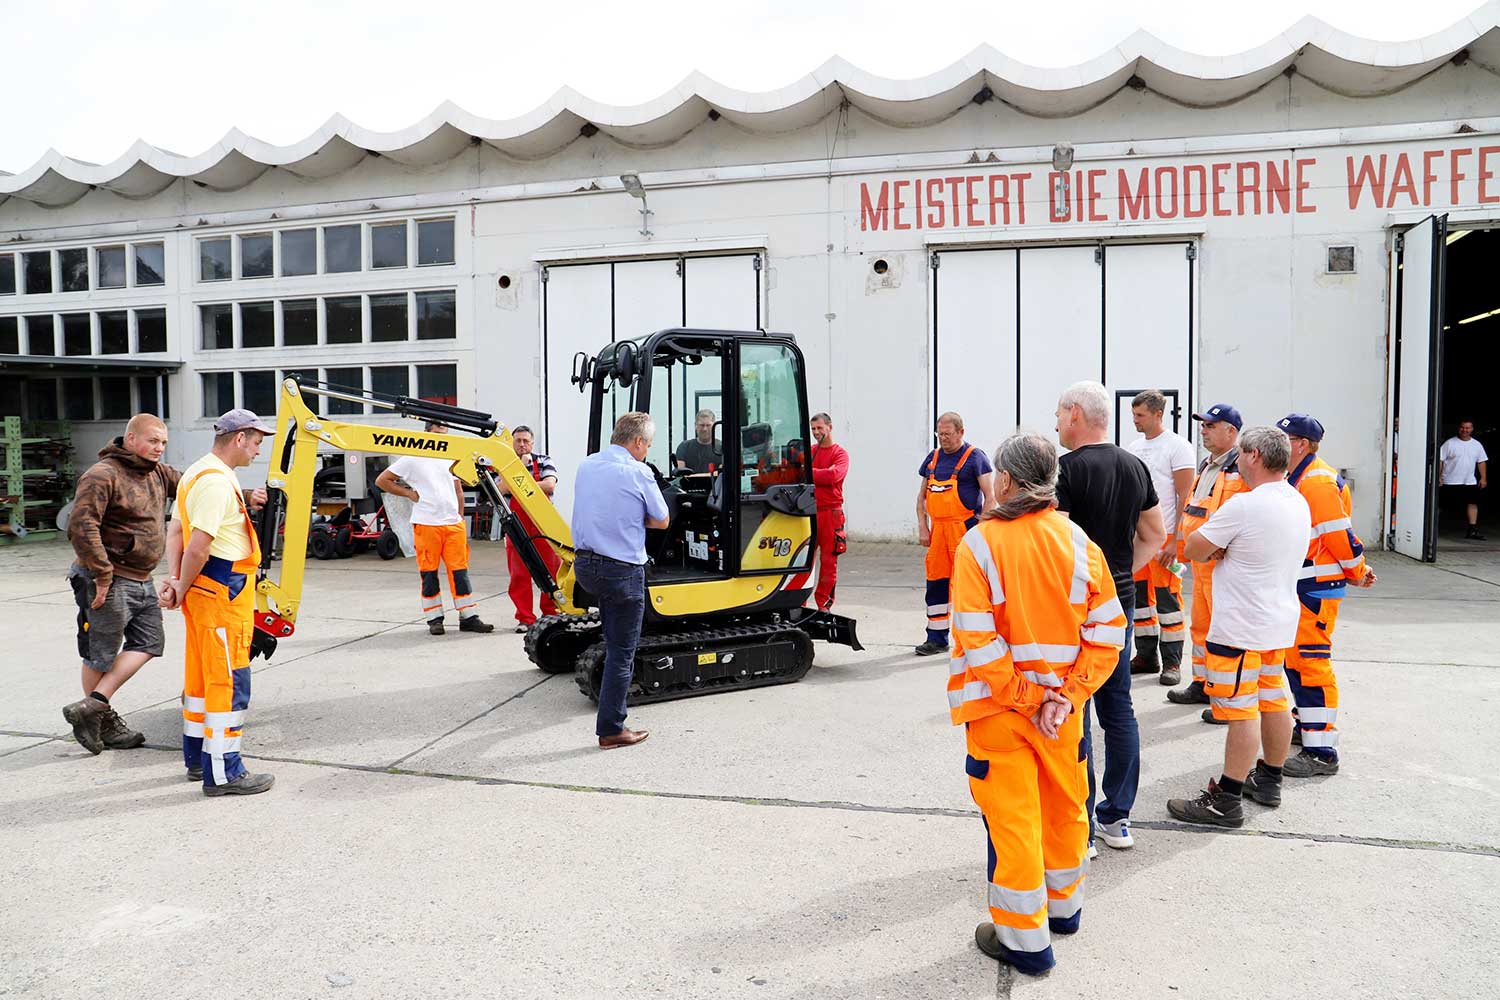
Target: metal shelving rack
x=36, y=479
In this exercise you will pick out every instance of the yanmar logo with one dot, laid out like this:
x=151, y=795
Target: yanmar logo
x=413, y=443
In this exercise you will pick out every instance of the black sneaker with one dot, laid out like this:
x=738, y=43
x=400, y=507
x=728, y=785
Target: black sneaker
x=85, y=717
x=1309, y=765
x=1211, y=808
x=1208, y=717
x=473, y=624
x=1263, y=786
x=930, y=648
x=1141, y=665
x=436, y=626
x=1474, y=534
x=245, y=784
x=1193, y=694
x=117, y=735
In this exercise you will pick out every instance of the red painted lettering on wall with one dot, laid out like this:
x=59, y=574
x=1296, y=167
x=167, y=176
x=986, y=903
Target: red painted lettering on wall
x=1486, y=175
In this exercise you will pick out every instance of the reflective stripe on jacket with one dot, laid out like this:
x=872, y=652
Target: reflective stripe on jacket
x=1227, y=483
x=1335, y=554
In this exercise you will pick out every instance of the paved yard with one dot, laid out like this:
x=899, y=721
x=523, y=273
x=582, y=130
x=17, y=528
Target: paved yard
x=442, y=825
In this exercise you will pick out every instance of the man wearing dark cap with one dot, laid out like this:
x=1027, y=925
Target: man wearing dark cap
x=1335, y=559
x=1218, y=479
x=213, y=554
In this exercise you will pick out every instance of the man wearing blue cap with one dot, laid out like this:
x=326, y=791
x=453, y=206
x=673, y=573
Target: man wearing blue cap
x=1335, y=558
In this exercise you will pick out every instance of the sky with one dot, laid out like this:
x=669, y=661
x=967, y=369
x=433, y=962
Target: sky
x=91, y=77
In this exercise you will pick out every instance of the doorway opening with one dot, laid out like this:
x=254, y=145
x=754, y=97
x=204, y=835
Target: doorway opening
x=1468, y=386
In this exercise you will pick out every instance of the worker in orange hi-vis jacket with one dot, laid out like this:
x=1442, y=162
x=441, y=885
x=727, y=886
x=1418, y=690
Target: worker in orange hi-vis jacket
x=1037, y=628
x=1335, y=559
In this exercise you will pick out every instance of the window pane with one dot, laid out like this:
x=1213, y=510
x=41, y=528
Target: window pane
x=388, y=245
x=78, y=398
x=151, y=330
x=436, y=316
x=771, y=448
x=257, y=324
x=299, y=251
x=214, y=260
x=145, y=391
x=41, y=399
x=218, y=393
x=258, y=392
x=7, y=274
x=114, y=398
x=77, y=336
x=435, y=242
x=388, y=317
x=350, y=378
x=438, y=383
x=341, y=249
x=299, y=322
x=392, y=380
x=255, y=256
x=344, y=323
x=39, y=338
x=114, y=333
x=112, y=267
x=10, y=335
x=38, y=268
x=150, y=264
x=218, y=327
x=75, y=269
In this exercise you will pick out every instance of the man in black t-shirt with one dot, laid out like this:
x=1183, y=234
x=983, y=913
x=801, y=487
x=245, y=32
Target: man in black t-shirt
x=702, y=452
x=1107, y=491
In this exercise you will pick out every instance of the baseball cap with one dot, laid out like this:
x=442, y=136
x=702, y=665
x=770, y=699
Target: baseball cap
x=1221, y=412
x=1301, y=425
x=241, y=420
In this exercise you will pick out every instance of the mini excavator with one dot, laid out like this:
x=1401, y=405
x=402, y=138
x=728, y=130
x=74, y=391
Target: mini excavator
x=726, y=580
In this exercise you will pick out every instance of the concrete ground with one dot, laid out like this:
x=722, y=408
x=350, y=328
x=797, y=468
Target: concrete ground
x=443, y=826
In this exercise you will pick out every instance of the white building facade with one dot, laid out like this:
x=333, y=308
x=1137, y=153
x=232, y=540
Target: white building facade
x=1227, y=230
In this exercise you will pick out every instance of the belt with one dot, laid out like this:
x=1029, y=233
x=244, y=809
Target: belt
x=609, y=559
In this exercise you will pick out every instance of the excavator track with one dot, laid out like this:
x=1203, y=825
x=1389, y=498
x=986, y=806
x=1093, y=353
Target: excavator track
x=555, y=642
x=709, y=661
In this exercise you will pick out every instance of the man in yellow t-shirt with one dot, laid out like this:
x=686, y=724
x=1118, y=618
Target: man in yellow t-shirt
x=212, y=558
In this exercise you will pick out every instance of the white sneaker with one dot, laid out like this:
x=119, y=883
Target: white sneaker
x=1093, y=852
x=1117, y=834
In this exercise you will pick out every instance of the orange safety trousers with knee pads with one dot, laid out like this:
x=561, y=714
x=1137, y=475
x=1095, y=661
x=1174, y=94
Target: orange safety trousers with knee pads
x=1195, y=514
x=1159, y=620
x=218, y=610
x=443, y=545
x=949, y=519
x=1034, y=607
x=1243, y=683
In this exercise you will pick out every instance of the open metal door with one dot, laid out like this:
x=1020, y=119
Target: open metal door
x=1418, y=266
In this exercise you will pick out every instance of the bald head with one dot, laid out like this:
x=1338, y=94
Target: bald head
x=146, y=436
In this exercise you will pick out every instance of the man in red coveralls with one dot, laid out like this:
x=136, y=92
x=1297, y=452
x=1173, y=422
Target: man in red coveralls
x=830, y=466
x=545, y=474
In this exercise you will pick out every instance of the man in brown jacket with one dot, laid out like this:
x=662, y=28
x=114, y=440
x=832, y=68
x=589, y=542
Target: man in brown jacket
x=118, y=533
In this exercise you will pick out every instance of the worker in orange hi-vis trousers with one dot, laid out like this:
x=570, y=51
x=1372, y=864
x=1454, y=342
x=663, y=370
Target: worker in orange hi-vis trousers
x=213, y=555
x=1335, y=559
x=437, y=525
x=957, y=483
x=1037, y=629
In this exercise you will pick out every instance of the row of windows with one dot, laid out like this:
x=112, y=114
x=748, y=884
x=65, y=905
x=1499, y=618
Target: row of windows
x=371, y=246
x=108, y=397
x=258, y=390
x=117, y=331
x=385, y=317
x=84, y=269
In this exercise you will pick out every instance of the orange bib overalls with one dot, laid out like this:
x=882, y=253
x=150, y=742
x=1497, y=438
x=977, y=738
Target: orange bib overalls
x=950, y=520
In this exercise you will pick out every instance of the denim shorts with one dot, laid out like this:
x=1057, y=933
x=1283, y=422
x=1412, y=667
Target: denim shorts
x=129, y=617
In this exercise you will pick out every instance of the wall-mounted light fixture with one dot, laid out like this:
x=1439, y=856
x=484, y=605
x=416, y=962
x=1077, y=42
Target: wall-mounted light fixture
x=1062, y=162
x=636, y=189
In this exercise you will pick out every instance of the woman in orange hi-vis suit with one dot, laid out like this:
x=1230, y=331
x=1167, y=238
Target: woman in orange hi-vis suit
x=1037, y=628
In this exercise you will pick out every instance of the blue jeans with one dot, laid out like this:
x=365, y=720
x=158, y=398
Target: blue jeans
x=619, y=590
x=1122, y=737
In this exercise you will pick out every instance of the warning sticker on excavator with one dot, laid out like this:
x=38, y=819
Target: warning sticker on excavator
x=707, y=658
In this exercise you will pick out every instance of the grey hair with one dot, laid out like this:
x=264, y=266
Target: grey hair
x=1154, y=400
x=631, y=426
x=1271, y=444
x=1031, y=462
x=952, y=418
x=707, y=413
x=1092, y=398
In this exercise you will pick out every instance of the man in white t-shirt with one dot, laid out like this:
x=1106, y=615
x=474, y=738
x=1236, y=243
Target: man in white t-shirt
x=1259, y=538
x=1464, y=474
x=1159, y=620
x=437, y=527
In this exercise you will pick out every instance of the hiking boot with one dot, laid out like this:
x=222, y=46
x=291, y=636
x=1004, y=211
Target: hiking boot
x=1170, y=677
x=436, y=626
x=473, y=624
x=930, y=648
x=195, y=774
x=117, y=735
x=1142, y=665
x=1211, y=808
x=1208, y=717
x=1117, y=834
x=1309, y=765
x=245, y=784
x=1263, y=786
x=85, y=717
x=1193, y=694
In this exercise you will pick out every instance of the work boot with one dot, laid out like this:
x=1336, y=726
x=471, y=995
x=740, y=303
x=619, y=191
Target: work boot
x=930, y=648
x=1193, y=694
x=473, y=624
x=117, y=735
x=1211, y=808
x=1140, y=664
x=522, y=628
x=1170, y=676
x=245, y=784
x=988, y=941
x=1310, y=765
x=85, y=717
x=1263, y=786
x=1296, y=736
x=436, y=626
x=195, y=774
x=1208, y=717
x=1474, y=533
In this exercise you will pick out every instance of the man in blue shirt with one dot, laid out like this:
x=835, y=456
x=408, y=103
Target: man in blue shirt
x=616, y=500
